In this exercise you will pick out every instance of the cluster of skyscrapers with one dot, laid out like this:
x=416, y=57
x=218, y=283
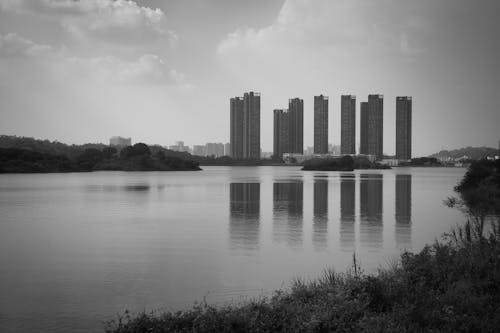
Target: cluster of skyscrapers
x=289, y=126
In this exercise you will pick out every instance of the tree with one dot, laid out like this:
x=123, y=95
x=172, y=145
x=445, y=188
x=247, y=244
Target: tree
x=109, y=152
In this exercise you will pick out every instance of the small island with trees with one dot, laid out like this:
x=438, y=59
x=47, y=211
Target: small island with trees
x=344, y=163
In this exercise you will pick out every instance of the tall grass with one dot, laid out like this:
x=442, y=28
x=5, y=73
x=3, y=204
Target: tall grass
x=449, y=286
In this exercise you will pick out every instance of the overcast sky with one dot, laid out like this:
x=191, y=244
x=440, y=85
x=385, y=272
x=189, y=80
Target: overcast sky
x=161, y=71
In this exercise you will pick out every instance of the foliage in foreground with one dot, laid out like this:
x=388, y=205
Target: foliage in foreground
x=447, y=287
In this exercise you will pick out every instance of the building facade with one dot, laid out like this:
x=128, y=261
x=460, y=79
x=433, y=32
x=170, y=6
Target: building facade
x=296, y=125
x=251, y=125
x=227, y=149
x=403, y=127
x=320, y=124
x=236, y=127
x=376, y=126
x=348, y=124
x=363, y=129
x=280, y=133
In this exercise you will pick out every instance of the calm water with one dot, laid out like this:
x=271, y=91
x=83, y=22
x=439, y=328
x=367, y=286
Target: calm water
x=76, y=249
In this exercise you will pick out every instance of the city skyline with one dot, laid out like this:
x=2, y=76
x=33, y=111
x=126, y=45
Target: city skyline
x=162, y=71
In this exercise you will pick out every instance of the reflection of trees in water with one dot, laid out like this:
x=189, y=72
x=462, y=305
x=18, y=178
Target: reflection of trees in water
x=244, y=207
x=347, y=211
x=320, y=210
x=370, y=204
x=403, y=211
x=287, y=212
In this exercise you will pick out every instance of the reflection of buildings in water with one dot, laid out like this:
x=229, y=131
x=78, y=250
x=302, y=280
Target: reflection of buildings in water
x=403, y=211
x=287, y=212
x=320, y=210
x=244, y=209
x=347, y=211
x=370, y=205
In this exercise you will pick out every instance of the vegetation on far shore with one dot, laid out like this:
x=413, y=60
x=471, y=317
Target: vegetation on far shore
x=27, y=155
x=452, y=285
x=472, y=153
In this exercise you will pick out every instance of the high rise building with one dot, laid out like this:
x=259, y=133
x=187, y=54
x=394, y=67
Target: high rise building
x=296, y=126
x=403, y=127
x=236, y=127
x=348, y=124
x=227, y=149
x=320, y=124
x=363, y=135
x=376, y=125
x=280, y=137
x=251, y=125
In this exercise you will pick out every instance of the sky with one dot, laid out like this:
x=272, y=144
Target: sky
x=163, y=71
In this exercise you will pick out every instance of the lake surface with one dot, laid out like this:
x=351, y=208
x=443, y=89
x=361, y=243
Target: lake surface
x=77, y=249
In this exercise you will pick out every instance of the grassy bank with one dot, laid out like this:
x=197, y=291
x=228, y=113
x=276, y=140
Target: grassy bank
x=451, y=286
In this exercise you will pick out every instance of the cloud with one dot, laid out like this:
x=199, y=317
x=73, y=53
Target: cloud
x=109, y=20
x=343, y=28
x=147, y=69
x=13, y=45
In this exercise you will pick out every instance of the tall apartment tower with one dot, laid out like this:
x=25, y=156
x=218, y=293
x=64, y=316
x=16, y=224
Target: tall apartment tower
x=280, y=137
x=363, y=135
x=296, y=125
x=403, y=127
x=251, y=125
x=236, y=129
x=320, y=124
x=348, y=124
x=376, y=125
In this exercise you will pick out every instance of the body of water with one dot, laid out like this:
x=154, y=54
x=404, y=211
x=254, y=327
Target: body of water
x=77, y=249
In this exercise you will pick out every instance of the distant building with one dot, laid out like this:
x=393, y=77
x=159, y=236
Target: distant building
x=390, y=162
x=236, y=127
x=179, y=146
x=310, y=151
x=376, y=125
x=334, y=149
x=296, y=125
x=227, y=149
x=119, y=141
x=251, y=125
x=199, y=150
x=348, y=124
x=363, y=135
x=280, y=132
x=403, y=128
x=320, y=124
x=214, y=149
x=266, y=154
